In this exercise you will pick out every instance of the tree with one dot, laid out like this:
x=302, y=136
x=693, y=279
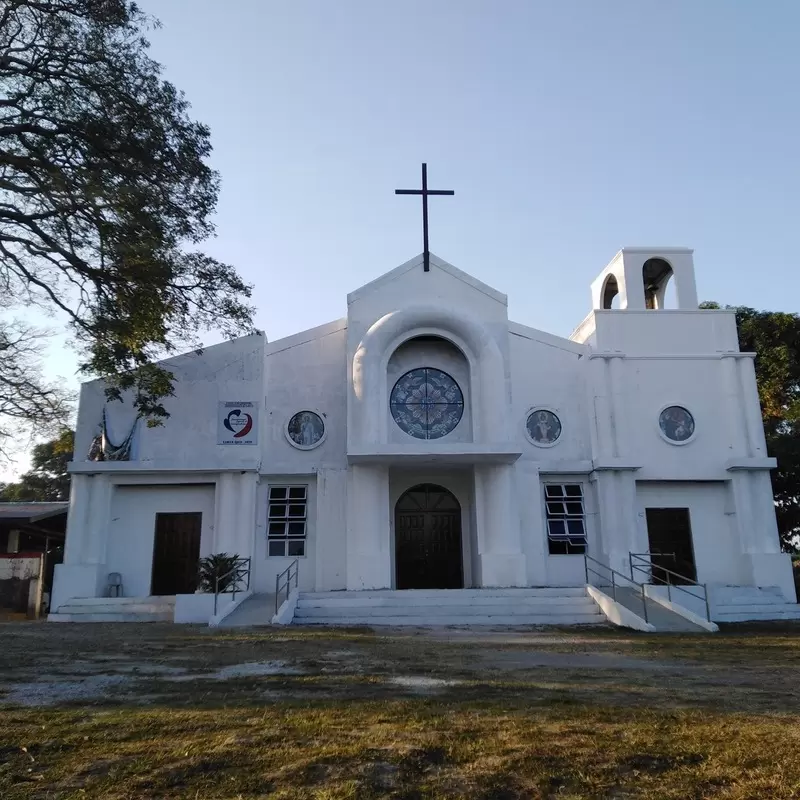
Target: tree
x=775, y=339
x=48, y=478
x=28, y=403
x=104, y=193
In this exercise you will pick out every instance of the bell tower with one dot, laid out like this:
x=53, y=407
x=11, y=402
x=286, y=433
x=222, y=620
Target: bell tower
x=639, y=277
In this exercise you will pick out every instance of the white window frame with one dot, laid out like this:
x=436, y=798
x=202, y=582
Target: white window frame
x=565, y=515
x=290, y=521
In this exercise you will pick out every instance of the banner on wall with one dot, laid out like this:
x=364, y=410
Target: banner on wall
x=237, y=423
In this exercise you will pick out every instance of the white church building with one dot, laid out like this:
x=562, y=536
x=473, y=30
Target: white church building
x=426, y=442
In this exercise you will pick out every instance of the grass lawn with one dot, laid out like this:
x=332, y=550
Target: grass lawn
x=162, y=711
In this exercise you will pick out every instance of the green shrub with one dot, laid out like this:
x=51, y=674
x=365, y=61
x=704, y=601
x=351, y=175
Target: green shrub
x=217, y=566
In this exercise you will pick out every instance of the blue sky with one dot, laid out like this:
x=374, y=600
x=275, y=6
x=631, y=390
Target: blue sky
x=567, y=129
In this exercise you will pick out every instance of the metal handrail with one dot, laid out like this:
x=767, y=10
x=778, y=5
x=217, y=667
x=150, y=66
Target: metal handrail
x=287, y=584
x=645, y=564
x=614, y=573
x=240, y=571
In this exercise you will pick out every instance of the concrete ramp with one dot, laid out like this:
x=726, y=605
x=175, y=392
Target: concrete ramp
x=255, y=610
x=660, y=617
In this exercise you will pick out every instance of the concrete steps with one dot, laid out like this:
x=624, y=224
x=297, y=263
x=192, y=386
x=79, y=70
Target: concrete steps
x=423, y=607
x=115, y=609
x=751, y=603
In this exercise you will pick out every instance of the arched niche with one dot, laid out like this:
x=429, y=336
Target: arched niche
x=444, y=358
x=369, y=417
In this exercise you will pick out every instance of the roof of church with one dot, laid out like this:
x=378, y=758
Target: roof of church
x=437, y=263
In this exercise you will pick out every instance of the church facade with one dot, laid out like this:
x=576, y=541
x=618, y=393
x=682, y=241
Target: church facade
x=427, y=441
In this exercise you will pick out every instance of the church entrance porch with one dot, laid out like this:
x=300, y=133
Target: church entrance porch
x=428, y=553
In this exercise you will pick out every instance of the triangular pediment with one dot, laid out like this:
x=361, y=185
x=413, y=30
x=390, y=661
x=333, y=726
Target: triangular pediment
x=436, y=263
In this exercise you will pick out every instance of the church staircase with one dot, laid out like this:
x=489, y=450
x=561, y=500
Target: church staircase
x=750, y=603
x=435, y=607
x=115, y=609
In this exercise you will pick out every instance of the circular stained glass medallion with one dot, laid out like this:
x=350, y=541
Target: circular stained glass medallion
x=305, y=429
x=427, y=403
x=543, y=427
x=676, y=423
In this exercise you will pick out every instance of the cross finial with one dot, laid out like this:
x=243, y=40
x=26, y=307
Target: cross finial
x=425, y=191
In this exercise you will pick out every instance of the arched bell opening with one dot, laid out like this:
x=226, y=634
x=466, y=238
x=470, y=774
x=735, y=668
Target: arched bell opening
x=611, y=293
x=656, y=274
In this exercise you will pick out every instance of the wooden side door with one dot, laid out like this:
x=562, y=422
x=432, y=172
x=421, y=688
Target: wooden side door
x=669, y=531
x=176, y=553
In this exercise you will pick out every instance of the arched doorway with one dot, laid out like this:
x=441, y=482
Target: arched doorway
x=427, y=539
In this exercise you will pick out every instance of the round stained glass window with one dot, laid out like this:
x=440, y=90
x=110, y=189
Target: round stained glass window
x=676, y=423
x=543, y=427
x=427, y=403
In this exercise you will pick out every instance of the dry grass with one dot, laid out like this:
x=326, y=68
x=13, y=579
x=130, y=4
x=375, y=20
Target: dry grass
x=575, y=714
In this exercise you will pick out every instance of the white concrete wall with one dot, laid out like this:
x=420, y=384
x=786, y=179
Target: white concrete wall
x=331, y=540
x=131, y=532
x=640, y=389
x=550, y=372
x=717, y=551
x=19, y=567
x=409, y=302
x=231, y=371
x=607, y=393
x=306, y=372
x=666, y=331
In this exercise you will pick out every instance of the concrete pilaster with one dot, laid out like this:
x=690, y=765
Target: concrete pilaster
x=369, y=561
x=620, y=529
x=501, y=556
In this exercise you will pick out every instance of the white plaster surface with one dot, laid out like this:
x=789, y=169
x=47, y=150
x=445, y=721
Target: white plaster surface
x=606, y=383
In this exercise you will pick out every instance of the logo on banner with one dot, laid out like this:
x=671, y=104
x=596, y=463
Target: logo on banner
x=238, y=423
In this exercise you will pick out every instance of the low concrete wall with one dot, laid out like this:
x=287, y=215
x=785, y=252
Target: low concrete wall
x=688, y=597
x=617, y=613
x=199, y=607
x=676, y=605
x=20, y=582
x=194, y=608
x=77, y=580
x=285, y=613
x=227, y=607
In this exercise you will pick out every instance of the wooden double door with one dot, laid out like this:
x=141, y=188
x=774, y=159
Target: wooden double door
x=427, y=536
x=176, y=553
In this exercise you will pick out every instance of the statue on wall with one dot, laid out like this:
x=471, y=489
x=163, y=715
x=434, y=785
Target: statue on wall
x=103, y=449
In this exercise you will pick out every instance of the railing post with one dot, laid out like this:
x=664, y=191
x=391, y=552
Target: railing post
x=586, y=567
x=708, y=607
x=644, y=604
x=669, y=590
x=613, y=585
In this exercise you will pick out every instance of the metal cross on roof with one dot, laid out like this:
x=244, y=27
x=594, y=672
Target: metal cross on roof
x=425, y=191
